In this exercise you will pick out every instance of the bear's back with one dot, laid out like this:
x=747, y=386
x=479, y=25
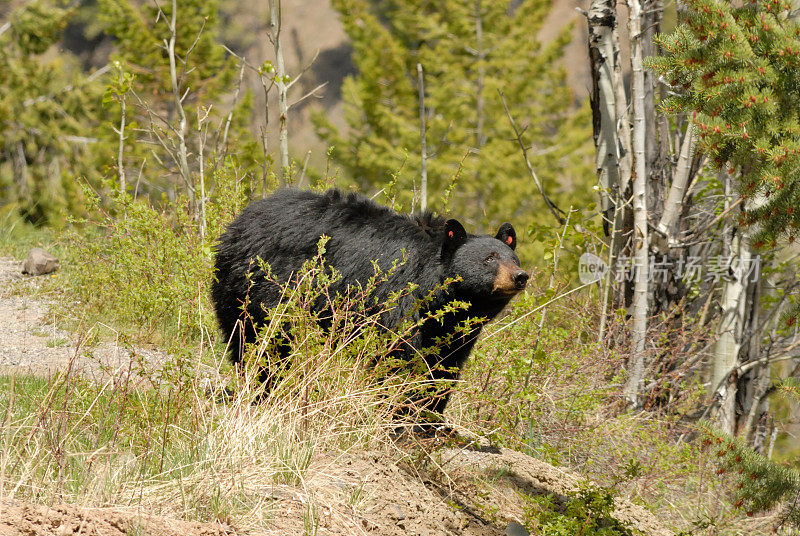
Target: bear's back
x=285, y=228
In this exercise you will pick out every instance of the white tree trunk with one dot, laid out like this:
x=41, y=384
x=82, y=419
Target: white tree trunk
x=183, y=127
x=641, y=237
x=423, y=150
x=623, y=126
x=121, y=149
x=604, y=56
x=734, y=305
x=680, y=182
x=280, y=72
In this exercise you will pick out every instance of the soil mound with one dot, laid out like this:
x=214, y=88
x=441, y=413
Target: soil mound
x=22, y=519
x=464, y=487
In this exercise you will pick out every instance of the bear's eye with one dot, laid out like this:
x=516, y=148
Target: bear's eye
x=491, y=258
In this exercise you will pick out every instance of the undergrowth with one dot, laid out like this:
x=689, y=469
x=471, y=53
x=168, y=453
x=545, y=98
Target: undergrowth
x=553, y=390
x=187, y=438
x=147, y=267
x=589, y=512
x=194, y=439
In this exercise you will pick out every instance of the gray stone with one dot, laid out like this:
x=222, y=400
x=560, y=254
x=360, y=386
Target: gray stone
x=39, y=262
x=397, y=514
x=515, y=529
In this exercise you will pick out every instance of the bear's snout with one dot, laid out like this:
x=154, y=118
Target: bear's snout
x=521, y=279
x=509, y=279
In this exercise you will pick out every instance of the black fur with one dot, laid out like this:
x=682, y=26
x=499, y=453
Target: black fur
x=284, y=230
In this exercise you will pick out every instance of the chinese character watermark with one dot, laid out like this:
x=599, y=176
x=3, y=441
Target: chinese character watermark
x=690, y=269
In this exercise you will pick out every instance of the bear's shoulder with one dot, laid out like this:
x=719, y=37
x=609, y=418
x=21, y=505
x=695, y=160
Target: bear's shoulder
x=425, y=225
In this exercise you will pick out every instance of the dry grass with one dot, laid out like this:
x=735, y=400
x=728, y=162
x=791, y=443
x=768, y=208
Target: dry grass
x=182, y=448
x=193, y=438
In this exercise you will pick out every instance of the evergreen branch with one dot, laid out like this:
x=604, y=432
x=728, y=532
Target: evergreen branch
x=761, y=483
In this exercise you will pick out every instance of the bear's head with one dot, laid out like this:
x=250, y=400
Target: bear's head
x=487, y=266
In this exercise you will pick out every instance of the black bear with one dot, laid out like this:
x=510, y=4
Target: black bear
x=284, y=229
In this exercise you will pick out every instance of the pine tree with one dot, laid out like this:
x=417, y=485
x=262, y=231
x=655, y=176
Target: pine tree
x=735, y=70
x=48, y=111
x=760, y=484
x=468, y=50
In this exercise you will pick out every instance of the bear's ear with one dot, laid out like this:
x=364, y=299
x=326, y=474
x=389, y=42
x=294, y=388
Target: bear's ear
x=507, y=235
x=454, y=236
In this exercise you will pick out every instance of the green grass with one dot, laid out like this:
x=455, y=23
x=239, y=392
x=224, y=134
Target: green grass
x=17, y=236
x=56, y=342
x=173, y=441
x=169, y=449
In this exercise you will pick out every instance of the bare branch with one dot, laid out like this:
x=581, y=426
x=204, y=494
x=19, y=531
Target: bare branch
x=202, y=133
x=303, y=71
x=557, y=212
x=183, y=163
x=81, y=139
x=302, y=175
x=233, y=107
x=67, y=88
x=283, y=108
x=121, y=132
x=311, y=93
x=423, y=150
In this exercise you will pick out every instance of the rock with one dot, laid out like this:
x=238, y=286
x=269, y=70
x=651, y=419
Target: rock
x=397, y=514
x=515, y=529
x=39, y=262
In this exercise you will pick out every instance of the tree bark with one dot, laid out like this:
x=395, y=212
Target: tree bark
x=181, y=131
x=656, y=157
x=603, y=60
x=603, y=57
x=280, y=75
x=423, y=150
x=480, y=105
x=677, y=191
x=736, y=310
x=641, y=237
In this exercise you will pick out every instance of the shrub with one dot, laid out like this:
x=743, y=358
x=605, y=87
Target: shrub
x=588, y=513
x=149, y=267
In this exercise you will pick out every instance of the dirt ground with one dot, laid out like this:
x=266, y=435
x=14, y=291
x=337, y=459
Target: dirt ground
x=17, y=518
x=32, y=340
x=465, y=488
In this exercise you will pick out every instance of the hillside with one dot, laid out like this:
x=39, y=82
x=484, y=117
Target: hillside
x=411, y=486
x=593, y=332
